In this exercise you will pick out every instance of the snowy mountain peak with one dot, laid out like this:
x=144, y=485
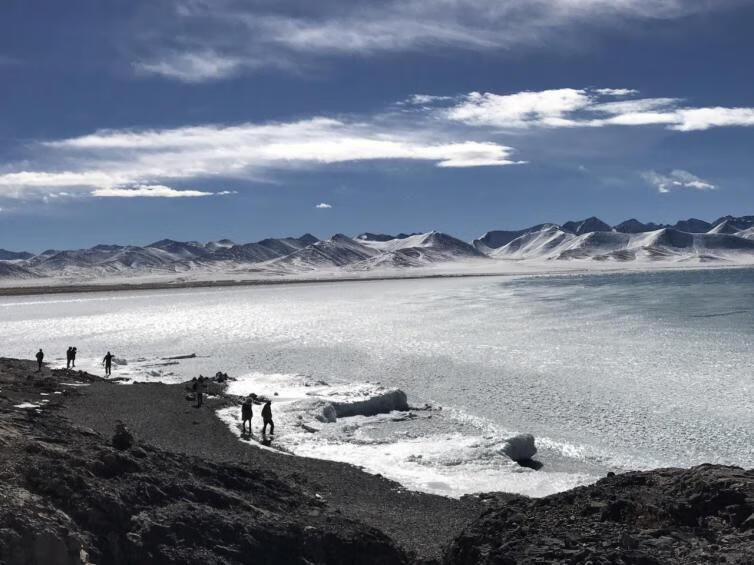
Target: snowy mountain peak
x=580, y=227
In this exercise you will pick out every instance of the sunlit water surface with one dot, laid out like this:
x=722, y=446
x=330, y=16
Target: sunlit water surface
x=611, y=371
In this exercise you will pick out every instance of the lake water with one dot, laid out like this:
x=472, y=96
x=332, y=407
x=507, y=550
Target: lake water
x=609, y=371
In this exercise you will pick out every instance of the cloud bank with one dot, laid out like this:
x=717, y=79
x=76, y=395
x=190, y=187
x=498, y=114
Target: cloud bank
x=570, y=107
x=126, y=163
x=444, y=131
x=148, y=191
x=200, y=41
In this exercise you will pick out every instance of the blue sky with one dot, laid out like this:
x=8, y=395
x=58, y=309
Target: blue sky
x=199, y=119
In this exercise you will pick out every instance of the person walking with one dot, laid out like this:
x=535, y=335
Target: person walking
x=246, y=414
x=68, y=358
x=108, y=363
x=73, y=357
x=40, y=359
x=267, y=418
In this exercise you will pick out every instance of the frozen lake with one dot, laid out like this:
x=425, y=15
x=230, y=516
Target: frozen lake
x=610, y=371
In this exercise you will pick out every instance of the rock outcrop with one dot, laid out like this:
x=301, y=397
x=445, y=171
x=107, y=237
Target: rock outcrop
x=661, y=517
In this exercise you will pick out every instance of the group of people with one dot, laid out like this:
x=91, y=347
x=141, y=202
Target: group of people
x=247, y=412
x=199, y=387
x=70, y=360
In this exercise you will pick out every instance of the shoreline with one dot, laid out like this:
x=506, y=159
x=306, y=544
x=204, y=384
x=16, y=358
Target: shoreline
x=76, y=288
x=184, y=487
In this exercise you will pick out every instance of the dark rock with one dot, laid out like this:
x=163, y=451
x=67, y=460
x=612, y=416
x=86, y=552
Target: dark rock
x=666, y=516
x=122, y=439
x=520, y=448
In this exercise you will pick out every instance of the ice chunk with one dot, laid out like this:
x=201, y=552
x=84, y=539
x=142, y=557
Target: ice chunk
x=381, y=403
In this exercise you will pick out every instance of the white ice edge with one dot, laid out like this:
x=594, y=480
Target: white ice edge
x=449, y=464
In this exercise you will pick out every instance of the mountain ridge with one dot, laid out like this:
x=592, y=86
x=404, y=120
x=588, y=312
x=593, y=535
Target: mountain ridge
x=726, y=239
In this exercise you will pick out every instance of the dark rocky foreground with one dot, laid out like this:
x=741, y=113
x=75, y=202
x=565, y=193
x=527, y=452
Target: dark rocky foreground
x=186, y=491
x=667, y=516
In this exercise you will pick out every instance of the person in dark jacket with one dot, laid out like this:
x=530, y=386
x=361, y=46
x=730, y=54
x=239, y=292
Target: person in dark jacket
x=40, y=359
x=73, y=357
x=68, y=358
x=201, y=389
x=246, y=414
x=108, y=363
x=267, y=418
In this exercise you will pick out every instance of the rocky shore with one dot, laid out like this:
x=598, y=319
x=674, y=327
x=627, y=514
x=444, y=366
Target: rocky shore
x=178, y=487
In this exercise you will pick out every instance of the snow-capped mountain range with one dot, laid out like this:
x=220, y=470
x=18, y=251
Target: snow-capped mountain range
x=728, y=239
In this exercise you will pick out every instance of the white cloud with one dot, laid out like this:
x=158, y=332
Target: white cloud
x=569, y=107
x=635, y=105
x=323, y=205
x=676, y=179
x=148, y=191
x=521, y=109
x=112, y=161
x=202, y=40
x=423, y=99
x=616, y=91
x=195, y=66
x=704, y=118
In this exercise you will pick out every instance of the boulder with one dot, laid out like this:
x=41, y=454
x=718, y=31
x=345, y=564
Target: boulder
x=328, y=415
x=122, y=439
x=520, y=447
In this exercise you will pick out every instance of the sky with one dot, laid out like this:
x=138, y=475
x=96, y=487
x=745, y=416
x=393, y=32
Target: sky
x=131, y=121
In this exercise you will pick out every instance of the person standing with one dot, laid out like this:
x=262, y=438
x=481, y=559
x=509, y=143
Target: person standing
x=246, y=414
x=40, y=359
x=68, y=358
x=267, y=418
x=73, y=357
x=200, y=388
x=108, y=363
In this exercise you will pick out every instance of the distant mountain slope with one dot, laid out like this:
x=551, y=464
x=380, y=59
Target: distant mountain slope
x=726, y=226
x=666, y=243
x=497, y=238
x=727, y=239
x=693, y=225
x=367, y=236
x=635, y=226
x=740, y=222
x=11, y=271
x=338, y=251
x=417, y=250
x=581, y=227
x=14, y=255
x=265, y=250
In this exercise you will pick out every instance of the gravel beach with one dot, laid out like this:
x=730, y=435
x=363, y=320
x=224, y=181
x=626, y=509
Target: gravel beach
x=160, y=415
x=93, y=472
